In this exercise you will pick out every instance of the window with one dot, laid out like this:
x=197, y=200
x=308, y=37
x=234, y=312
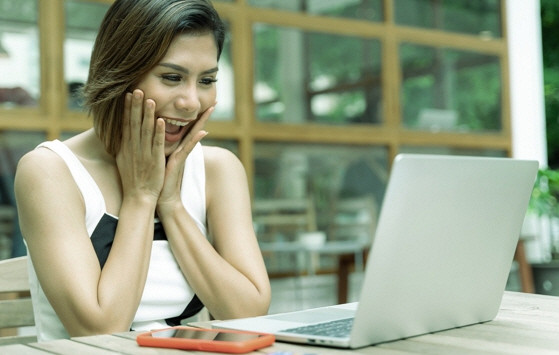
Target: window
x=82, y=23
x=19, y=54
x=448, y=89
x=480, y=17
x=356, y=9
x=300, y=78
x=316, y=97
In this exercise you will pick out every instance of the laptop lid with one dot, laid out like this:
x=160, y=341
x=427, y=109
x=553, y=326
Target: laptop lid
x=441, y=254
x=444, y=245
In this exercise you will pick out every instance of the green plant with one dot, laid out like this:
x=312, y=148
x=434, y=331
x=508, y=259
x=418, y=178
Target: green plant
x=544, y=202
x=545, y=195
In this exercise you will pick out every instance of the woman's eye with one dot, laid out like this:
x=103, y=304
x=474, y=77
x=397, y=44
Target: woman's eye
x=171, y=77
x=208, y=81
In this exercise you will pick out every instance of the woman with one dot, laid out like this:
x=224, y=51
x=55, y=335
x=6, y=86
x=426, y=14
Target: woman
x=133, y=224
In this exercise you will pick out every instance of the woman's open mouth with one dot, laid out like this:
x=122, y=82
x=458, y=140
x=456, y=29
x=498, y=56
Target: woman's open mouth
x=175, y=129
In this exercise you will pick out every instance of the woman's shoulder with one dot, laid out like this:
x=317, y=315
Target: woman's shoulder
x=226, y=178
x=221, y=162
x=40, y=162
x=218, y=156
x=38, y=158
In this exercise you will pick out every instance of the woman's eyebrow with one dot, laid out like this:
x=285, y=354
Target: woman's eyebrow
x=184, y=70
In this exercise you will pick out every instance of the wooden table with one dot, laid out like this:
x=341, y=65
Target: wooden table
x=526, y=324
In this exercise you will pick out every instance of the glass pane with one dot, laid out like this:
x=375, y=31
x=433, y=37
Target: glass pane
x=19, y=54
x=13, y=145
x=479, y=17
x=82, y=23
x=453, y=151
x=450, y=90
x=356, y=9
x=326, y=177
x=225, y=109
x=316, y=77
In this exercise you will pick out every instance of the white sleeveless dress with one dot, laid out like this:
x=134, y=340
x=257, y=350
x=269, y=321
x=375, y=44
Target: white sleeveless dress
x=167, y=297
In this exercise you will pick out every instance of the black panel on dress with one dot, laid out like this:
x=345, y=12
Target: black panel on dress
x=193, y=307
x=103, y=236
x=102, y=240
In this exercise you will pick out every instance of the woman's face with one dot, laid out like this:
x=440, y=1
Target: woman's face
x=182, y=84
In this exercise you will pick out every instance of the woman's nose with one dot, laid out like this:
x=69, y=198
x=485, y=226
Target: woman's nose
x=188, y=100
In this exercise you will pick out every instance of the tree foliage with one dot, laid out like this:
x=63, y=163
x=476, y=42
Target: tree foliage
x=550, y=45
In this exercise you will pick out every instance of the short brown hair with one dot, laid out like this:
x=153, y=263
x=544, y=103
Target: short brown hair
x=133, y=37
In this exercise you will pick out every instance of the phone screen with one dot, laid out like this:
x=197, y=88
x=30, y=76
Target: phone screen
x=215, y=335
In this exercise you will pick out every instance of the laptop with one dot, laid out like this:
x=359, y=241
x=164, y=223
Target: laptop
x=440, y=257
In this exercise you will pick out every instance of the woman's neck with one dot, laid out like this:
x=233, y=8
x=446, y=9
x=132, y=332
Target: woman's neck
x=88, y=146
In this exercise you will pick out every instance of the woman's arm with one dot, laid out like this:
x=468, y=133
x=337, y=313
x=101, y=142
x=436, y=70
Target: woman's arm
x=51, y=210
x=51, y=214
x=229, y=277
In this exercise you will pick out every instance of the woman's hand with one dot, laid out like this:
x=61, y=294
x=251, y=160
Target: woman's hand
x=170, y=194
x=141, y=159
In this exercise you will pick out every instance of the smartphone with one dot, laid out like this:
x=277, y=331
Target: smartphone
x=217, y=340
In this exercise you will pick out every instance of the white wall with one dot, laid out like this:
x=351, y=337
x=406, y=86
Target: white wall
x=526, y=77
x=528, y=109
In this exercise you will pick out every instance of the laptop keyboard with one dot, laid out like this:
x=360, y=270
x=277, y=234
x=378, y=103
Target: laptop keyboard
x=340, y=328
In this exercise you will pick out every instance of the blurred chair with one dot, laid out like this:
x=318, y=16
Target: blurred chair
x=16, y=309
x=278, y=223
x=353, y=221
x=283, y=218
x=7, y=220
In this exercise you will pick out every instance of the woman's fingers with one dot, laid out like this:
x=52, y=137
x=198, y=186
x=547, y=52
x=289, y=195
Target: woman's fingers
x=139, y=123
x=126, y=117
x=159, y=138
x=196, y=134
x=136, y=114
x=147, y=129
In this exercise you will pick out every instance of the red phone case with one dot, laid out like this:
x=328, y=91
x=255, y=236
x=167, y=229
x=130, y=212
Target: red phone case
x=235, y=347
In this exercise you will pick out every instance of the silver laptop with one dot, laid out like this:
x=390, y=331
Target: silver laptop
x=440, y=257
